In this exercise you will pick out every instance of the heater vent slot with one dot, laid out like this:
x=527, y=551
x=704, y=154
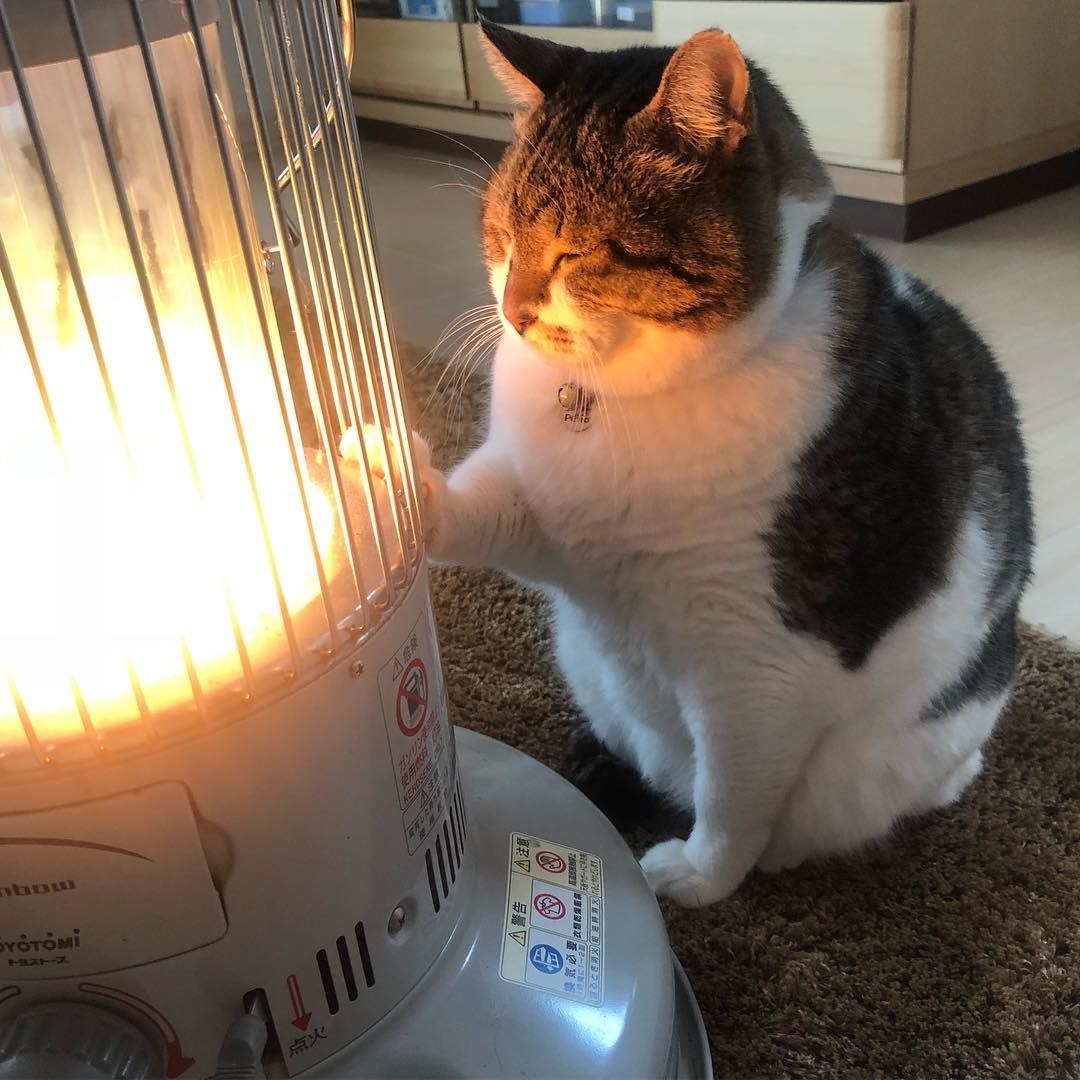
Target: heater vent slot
x=442, y=865
x=365, y=956
x=459, y=809
x=436, y=903
x=443, y=858
x=346, y=967
x=327, y=976
x=340, y=981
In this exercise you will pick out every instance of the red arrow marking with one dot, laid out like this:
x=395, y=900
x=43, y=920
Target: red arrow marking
x=176, y=1064
x=300, y=1018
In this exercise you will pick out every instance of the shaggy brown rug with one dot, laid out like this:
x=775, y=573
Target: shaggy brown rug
x=951, y=952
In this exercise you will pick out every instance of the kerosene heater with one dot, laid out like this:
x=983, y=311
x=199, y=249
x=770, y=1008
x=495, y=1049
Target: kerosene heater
x=238, y=835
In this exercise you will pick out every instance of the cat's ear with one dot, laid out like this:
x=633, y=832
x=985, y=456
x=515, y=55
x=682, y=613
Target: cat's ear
x=705, y=92
x=530, y=68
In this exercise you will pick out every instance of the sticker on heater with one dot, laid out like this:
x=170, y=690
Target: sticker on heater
x=554, y=933
x=418, y=733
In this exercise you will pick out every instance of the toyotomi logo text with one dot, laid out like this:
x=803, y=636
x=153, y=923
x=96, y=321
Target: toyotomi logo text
x=49, y=943
x=39, y=889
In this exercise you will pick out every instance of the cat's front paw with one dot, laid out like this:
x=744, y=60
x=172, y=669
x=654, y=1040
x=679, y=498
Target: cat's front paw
x=671, y=871
x=433, y=505
x=431, y=482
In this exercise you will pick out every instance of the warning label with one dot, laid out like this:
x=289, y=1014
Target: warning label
x=418, y=732
x=412, y=698
x=554, y=934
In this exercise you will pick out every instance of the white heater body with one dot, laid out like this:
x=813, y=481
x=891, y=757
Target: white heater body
x=305, y=860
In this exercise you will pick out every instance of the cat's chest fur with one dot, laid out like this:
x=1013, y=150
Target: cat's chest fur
x=677, y=485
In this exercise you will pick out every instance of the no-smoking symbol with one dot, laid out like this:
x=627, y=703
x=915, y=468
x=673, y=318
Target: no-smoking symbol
x=551, y=907
x=549, y=861
x=412, y=698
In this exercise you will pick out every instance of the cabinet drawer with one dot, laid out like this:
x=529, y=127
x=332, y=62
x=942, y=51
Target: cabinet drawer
x=410, y=59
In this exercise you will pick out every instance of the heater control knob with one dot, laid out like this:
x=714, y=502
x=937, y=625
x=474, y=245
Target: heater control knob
x=65, y=1041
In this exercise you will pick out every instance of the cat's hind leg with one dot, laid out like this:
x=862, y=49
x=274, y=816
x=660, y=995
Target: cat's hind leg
x=631, y=742
x=860, y=780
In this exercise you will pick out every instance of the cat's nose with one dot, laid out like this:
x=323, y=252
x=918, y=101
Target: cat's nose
x=522, y=296
x=519, y=314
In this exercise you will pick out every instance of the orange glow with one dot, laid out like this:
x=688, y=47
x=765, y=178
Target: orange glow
x=163, y=531
x=117, y=552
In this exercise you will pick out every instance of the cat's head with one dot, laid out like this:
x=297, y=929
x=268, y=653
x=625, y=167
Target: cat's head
x=637, y=199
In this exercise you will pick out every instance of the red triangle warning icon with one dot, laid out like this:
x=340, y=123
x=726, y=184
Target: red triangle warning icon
x=519, y=937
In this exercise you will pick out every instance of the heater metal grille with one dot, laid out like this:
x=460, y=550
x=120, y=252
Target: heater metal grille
x=204, y=454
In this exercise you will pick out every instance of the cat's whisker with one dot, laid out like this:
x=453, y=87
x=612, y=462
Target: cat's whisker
x=465, y=324
x=464, y=187
x=454, y=165
x=464, y=146
x=481, y=353
x=454, y=362
x=448, y=370
x=631, y=435
x=595, y=385
x=458, y=325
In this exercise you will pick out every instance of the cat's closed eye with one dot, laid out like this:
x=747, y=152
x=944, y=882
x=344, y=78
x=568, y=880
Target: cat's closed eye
x=567, y=258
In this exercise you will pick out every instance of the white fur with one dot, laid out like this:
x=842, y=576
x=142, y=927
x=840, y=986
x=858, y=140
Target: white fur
x=901, y=281
x=645, y=530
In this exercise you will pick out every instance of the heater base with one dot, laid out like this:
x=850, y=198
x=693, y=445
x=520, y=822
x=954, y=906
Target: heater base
x=485, y=1009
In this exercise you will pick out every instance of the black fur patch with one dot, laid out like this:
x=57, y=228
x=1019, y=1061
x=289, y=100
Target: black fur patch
x=614, y=786
x=988, y=673
x=924, y=433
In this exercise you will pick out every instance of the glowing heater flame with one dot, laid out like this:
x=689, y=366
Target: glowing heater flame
x=169, y=533
x=129, y=549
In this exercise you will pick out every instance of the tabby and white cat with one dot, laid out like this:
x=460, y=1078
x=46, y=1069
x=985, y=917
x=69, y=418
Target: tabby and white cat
x=774, y=488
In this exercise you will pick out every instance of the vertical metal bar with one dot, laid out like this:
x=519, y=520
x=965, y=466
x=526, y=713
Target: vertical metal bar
x=31, y=351
x=140, y=699
x=280, y=373
x=303, y=138
x=309, y=177
x=40, y=752
x=56, y=204
x=135, y=250
x=83, y=711
x=313, y=372
x=329, y=264
x=311, y=369
x=194, y=245
x=7, y=273
x=196, y=685
x=324, y=88
x=259, y=295
x=366, y=234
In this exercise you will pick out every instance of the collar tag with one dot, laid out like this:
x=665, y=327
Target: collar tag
x=576, y=404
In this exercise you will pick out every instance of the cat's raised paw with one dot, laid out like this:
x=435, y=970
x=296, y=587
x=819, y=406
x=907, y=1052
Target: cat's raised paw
x=671, y=872
x=432, y=494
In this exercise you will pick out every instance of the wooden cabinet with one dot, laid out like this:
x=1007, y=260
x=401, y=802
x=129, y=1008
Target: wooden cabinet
x=487, y=91
x=842, y=66
x=906, y=100
x=409, y=59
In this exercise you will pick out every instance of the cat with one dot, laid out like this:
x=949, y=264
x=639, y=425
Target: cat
x=774, y=487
